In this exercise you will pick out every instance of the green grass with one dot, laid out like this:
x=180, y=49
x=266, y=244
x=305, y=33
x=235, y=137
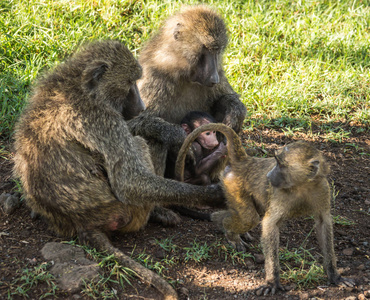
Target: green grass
x=29, y=279
x=301, y=268
x=294, y=63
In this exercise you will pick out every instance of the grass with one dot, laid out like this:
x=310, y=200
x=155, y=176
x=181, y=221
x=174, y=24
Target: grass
x=293, y=63
x=301, y=268
x=30, y=278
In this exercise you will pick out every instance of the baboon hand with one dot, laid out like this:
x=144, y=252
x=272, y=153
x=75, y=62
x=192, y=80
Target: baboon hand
x=345, y=282
x=269, y=289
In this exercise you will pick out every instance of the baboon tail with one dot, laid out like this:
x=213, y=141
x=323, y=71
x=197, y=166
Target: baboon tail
x=101, y=242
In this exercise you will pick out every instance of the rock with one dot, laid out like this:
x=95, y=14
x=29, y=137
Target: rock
x=303, y=296
x=10, y=202
x=161, y=254
x=361, y=267
x=341, y=232
x=361, y=297
x=184, y=292
x=71, y=267
x=348, y=251
x=351, y=298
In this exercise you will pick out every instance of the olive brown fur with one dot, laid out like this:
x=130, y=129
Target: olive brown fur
x=80, y=167
x=182, y=72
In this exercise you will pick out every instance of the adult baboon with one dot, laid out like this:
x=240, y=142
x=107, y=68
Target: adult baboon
x=80, y=167
x=291, y=184
x=182, y=72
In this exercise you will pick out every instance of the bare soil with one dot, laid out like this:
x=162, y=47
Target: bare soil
x=21, y=238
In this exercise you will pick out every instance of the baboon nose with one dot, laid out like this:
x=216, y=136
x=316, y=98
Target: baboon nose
x=214, y=79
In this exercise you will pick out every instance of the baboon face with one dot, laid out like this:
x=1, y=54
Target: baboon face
x=134, y=105
x=205, y=71
x=305, y=166
x=200, y=37
x=104, y=80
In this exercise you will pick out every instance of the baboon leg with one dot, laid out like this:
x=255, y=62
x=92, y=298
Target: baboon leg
x=324, y=230
x=240, y=217
x=270, y=246
x=100, y=241
x=216, y=173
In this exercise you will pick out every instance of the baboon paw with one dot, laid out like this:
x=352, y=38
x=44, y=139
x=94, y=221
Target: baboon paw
x=236, y=242
x=346, y=282
x=166, y=217
x=269, y=289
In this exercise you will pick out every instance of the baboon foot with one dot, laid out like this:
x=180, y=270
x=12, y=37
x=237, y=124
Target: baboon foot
x=269, y=289
x=247, y=237
x=345, y=282
x=164, y=216
x=236, y=241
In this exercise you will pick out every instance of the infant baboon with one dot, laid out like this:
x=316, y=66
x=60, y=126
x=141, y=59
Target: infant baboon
x=80, y=167
x=182, y=72
x=291, y=184
x=207, y=150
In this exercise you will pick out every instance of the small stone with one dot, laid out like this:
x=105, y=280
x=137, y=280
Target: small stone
x=351, y=298
x=361, y=297
x=3, y=197
x=367, y=294
x=341, y=232
x=34, y=215
x=303, y=296
x=160, y=254
x=71, y=267
x=11, y=203
x=184, y=291
x=348, y=251
x=361, y=267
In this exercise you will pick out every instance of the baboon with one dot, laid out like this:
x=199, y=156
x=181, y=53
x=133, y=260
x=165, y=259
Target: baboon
x=182, y=72
x=291, y=184
x=207, y=150
x=81, y=168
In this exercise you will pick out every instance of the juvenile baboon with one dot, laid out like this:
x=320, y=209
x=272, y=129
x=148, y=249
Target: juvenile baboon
x=291, y=184
x=182, y=72
x=80, y=167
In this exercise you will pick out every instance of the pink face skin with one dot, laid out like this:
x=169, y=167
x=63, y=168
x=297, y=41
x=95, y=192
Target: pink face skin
x=208, y=139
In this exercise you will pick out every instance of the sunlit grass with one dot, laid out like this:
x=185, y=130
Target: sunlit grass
x=288, y=60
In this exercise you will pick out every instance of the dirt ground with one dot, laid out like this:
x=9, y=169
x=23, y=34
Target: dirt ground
x=22, y=238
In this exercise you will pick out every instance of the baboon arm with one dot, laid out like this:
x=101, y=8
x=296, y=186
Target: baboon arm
x=229, y=110
x=206, y=164
x=130, y=179
x=155, y=128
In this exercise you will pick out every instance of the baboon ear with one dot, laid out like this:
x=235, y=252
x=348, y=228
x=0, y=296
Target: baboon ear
x=186, y=128
x=93, y=73
x=177, y=31
x=314, y=167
